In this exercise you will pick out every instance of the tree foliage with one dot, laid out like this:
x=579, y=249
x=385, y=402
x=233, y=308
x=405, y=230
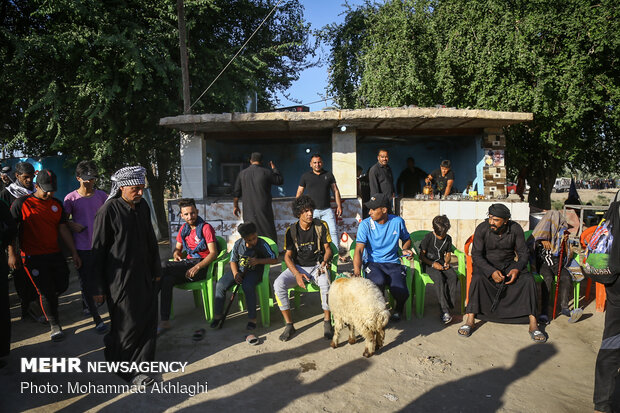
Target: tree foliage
x=559, y=60
x=92, y=78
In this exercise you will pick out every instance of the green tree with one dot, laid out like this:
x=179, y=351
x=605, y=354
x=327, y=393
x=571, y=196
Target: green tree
x=92, y=78
x=558, y=60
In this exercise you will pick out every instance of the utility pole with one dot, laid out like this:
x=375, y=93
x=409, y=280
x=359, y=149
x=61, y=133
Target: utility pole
x=184, y=64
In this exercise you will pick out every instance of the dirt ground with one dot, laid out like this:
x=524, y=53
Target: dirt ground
x=424, y=366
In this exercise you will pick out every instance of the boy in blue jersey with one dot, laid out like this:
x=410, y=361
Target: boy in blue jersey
x=379, y=235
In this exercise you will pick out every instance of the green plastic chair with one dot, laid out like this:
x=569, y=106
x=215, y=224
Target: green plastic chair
x=409, y=280
x=206, y=287
x=312, y=287
x=422, y=279
x=262, y=289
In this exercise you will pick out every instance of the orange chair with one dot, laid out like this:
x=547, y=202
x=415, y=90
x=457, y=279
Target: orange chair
x=469, y=264
x=601, y=295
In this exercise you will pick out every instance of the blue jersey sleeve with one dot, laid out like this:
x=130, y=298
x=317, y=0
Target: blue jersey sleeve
x=265, y=249
x=362, y=232
x=404, y=234
x=234, y=254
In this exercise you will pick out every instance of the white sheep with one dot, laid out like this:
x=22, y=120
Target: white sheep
x=358, y=303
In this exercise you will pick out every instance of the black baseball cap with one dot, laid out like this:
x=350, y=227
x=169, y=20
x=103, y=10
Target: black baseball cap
x=46, y=179
x=378, y=201
x=88, y=174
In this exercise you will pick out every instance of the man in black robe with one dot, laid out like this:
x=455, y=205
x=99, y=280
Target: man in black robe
x=127, y=268
x=501, y=288
x=8, y=230
x=253, y=186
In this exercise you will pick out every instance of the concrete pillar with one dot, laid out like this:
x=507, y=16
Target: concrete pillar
x=344, y=161
x=193, y=166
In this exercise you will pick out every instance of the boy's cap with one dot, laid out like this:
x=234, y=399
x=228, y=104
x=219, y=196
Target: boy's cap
x=46, y=179
x=378, y=201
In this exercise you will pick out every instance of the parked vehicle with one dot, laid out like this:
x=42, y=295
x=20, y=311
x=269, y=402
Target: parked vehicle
x=561, y=184
x=511, y=187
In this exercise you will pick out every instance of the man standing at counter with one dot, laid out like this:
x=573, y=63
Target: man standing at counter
x=408, y=183
x=443, y=178
x=253, y=186
x=380, y=177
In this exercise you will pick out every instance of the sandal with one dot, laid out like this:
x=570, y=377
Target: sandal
x=465, y=330
x=535, y=336
x=198, y=334
x=251, y=339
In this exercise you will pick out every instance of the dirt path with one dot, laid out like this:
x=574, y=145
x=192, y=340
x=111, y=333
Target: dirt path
x=424, y=366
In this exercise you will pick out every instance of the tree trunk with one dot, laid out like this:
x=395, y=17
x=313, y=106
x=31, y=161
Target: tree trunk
x=541, y=179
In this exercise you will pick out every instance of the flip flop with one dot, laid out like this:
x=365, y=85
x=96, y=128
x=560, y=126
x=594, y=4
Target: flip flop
x=198, y=334
x=575, y=315
x=466, y=331
x=251, y=339
x=537, y=333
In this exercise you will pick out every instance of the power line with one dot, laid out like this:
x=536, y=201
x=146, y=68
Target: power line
x=237, y=54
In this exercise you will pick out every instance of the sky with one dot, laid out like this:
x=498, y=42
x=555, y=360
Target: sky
x=312, y=82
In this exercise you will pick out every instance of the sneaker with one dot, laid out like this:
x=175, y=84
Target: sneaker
x=575, y=315
x=142, y=380
x=56, y=333
x=446, y=318
x=101, y=328
x=395, y=318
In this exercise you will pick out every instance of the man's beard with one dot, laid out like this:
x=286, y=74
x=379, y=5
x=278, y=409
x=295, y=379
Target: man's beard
x=497, y=230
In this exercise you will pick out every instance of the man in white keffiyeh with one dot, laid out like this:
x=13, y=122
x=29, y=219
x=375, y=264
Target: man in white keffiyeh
x=130, y=176
x=126, y=271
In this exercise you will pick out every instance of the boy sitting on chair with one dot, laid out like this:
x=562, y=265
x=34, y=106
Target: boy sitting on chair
x=435, y=253
x=197, y=238
x=248, y=257
x=307, y=257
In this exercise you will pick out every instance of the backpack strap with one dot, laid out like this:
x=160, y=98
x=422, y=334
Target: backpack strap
x=318, y=228
x=202, y=244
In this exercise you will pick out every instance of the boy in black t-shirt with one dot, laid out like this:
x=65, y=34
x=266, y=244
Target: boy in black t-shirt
x=307, y=257
x=442, y=178
x=435, y=253
x=248, y=257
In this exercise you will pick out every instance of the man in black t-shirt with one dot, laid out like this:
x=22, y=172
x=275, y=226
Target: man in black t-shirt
x=317, y=183
x=408, y=183
x=442, y=178
x=308, y=254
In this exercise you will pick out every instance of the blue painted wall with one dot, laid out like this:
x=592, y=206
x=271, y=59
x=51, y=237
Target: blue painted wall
x=463, y=151
x=64, y=174
x=290, y=158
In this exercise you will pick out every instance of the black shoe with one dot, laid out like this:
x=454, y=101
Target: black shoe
x=395, y=318
x=56, y=333
x=328, y=331
x=288, y=332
